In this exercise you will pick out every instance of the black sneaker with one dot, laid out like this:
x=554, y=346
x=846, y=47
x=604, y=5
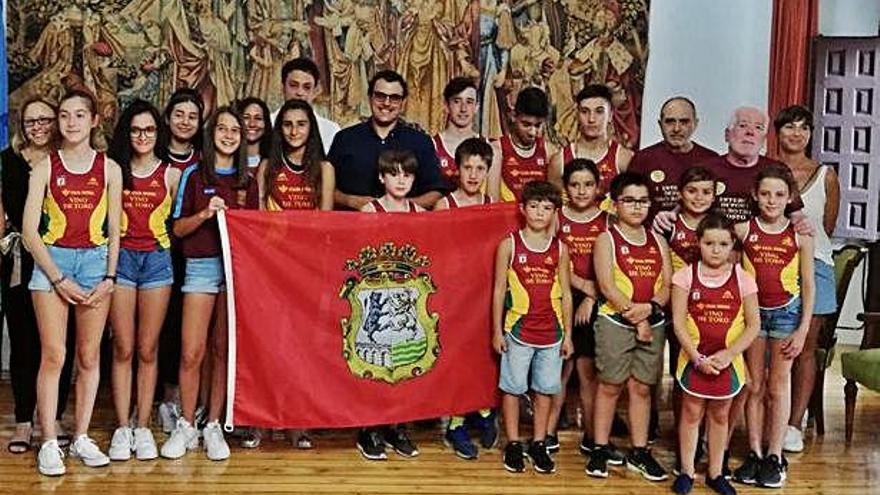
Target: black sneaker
x=488, y=427
x=597, y=466
x=642, y=462
x=748, y=472
x=541, y=460
x=587, y=445
x=552, y=442
x=771, y=474
x=615, y=456
x=370, y=444
x=683, y=484
x=397, y=439
x=725, y=466
x=720, y=485
x=514, y=457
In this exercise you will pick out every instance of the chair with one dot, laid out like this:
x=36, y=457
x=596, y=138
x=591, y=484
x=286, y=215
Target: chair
x=862, y=366
x=846, y=259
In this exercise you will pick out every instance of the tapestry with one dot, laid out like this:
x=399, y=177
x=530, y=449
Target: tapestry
x=227, y=49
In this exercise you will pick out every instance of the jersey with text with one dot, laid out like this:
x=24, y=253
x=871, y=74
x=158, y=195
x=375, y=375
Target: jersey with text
x=517, y=171
x=291, y=190
x=637, y=270
x=75, y=206
x=773, y=258
x=448, y=168
x=146, y=208
x=580, y=236
x=684, y=247
x=533, y=306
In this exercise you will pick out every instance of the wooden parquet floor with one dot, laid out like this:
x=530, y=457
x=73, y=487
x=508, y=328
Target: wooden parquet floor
x=826, y=466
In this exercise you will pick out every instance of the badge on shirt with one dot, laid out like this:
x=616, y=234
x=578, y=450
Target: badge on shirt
x=444, y=163
x=566, y=228
x=624, y=250
x=60, y=181
x=522, y=259
x=658, y=176
x=209, y=190
x=695, y=295
x=720, y=187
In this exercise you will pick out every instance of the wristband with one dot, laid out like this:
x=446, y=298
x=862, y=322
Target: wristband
x=111, y=278
x=60, y=279
x=656, y=308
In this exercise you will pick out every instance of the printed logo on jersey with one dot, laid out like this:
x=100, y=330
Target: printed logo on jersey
x=695, y=295
x=60, y=181
x=658, y=176
x=521, y=259
x=720, y=187
x=566, y=228
x=624, y=250
x=444, y=163
x=727, y=295
x=389, y=335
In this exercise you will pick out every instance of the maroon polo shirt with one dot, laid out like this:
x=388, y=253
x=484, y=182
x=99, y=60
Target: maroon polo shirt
x=663, y=168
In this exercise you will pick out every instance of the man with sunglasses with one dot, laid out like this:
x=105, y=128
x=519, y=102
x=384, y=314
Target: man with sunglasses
x=356, y=149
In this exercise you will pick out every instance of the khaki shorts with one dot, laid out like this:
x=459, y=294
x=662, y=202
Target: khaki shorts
x=620, y=356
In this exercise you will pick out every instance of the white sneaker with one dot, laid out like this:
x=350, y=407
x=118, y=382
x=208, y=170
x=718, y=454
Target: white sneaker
x=121, y=444
x=168, y=414
x=145, y=444
x=183, y=438
x=215, y=444
x=87, y=450
x=50, y=460
x=794, y=440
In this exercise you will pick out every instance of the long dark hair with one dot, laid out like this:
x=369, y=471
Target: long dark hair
x=120, y=145
x=185, y=95
x=92, y=104
x=209, y=154
x=313, y=154
x=266, y=140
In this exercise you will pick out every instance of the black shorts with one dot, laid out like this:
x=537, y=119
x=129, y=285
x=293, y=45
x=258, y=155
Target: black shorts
x=583, y=338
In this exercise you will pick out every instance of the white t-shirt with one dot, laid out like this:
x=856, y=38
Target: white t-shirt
x=326, y=127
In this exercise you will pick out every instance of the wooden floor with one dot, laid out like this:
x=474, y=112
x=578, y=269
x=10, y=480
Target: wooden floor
x=826, y=467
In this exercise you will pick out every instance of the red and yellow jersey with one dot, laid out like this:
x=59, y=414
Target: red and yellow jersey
x=715, y=319
x=517, y=171
x=684, y=247
x=377, y=205
x=608, y=170
x=291, y=190
x=533, y=306
x=448, y=168
x=580, y=236
x=773, y=258
x=453, y=203
x=145, y=211
x=75, y=206
x=637, y=270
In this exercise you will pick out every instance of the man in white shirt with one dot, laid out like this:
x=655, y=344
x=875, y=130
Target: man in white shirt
x=299, y=80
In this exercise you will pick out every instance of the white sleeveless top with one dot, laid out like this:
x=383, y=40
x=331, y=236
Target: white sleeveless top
x=814, y=199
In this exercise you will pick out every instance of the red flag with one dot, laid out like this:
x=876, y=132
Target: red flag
x=342, y=319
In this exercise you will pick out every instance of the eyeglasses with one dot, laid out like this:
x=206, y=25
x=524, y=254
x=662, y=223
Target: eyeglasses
x=148, y=132
x=635, y=202
x=39, y=121
x=380, y=97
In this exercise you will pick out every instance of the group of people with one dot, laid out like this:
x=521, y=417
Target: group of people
x=619, y=252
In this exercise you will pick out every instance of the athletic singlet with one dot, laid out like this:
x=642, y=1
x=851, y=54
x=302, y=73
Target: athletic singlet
x=637, y=270
x=533, y=306
x=453, y=203
x=377, y=205
x=715, y=319
x=182, y=162
x=291, y=190
x=448, y=168
x=145, y=211
x=75, y=206
x=607, y=167
x=684, y=247
x=774, y=260
x=580, y=236
x=517, y=171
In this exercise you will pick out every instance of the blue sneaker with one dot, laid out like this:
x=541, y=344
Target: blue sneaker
x=488, y=428
x=460, y=441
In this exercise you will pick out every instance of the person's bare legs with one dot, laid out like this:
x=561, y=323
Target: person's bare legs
x=122, y=320
x=219, y=351
x=639, y=411
x=803, y=374
x=198, y=310
x=540, y=416
x=510, y=411
x=152, y=305
x=603, y=410
x=90, y=324
x=755, y=403
x=716, y=425
x=588, y=382
x=692, y=409
x=779, y=392
x=51, y=312
x=557, y=402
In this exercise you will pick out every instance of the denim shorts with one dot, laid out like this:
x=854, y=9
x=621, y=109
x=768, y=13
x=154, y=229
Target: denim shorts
x=544, y=364
x=144, y=269
x=85, y=266
x=779, y=323
x=204, y=276
x=826, y=289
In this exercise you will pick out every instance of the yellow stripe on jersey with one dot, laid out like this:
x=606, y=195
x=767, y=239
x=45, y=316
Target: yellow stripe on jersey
x=607, y=205
x=506, y=194
x=123, y=224
x=98, y=220
x=623, y=284
x=54, y=220
x=271, y=205
x=158, y=222
x=677, y=261
x=737, y=327
x=791, y=276
x=694, y=334
x=556, y=299
x=749, y=267
x=518, y=300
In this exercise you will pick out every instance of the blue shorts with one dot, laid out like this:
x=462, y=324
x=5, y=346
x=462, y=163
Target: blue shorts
x=85, y=266
x=826, y=289
x=144, y=269
x=779, y=323
x=520, y=360
x=204, y=276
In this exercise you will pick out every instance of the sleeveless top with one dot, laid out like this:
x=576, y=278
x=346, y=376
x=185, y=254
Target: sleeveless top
x=453, y=203
x=291, y=190
x=377, y=205
x=145, y=212
x=517, y=171
x=448, y=168
x=608, y=170
x=533, y=306
x=684, y=247
x=637, y=270
x=580, y=236
x=75, y=206
x=814, y=197
x=773, y=258
x=715, y=319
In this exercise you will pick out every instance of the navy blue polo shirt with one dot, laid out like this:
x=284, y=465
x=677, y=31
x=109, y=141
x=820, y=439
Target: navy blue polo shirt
x=355, y=152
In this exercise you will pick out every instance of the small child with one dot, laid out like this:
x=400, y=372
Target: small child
x=579, y=223
x=782, y=263
x=715, y=313
x=473, y=157
x=397, y=173
x=633, y=274
x=531, y=319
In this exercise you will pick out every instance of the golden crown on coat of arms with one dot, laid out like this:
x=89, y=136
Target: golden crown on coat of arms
x=401, y=260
